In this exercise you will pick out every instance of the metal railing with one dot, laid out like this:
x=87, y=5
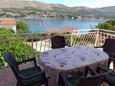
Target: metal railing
x=83, y=37
x=94, y=37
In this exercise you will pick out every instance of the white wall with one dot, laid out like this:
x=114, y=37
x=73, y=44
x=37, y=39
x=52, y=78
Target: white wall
x=13, y=27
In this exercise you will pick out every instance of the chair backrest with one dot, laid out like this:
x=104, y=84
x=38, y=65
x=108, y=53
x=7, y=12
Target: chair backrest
x=57, y=42
x=12, y=63
x=109, y=46
x=94, y=80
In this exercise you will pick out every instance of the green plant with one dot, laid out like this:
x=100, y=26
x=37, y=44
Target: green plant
x=16, y=45
x=54, y=34
x=65, y=33
x=22, y=27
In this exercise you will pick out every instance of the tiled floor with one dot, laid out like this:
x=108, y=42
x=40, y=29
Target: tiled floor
x=7, y=77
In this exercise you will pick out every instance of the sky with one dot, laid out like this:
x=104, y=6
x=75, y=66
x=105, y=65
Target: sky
x=88, y=3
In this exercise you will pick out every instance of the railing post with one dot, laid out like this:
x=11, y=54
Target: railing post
x=41, y=44
x=71, y=39
x=32, y=45
x=97, y=37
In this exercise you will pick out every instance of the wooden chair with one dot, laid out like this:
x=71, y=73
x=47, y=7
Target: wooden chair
x=82, y=80
x=32, y=76
x=58, y=42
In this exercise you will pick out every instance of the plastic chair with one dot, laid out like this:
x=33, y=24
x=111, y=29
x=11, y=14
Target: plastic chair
x=82, y=80
x=32, y=76
x=109, y=78
x=58, y=42
x=109, y=48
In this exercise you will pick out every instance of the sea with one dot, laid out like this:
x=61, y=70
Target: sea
x=40, y=24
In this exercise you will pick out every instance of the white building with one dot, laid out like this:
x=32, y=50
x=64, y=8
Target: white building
x=8, y=23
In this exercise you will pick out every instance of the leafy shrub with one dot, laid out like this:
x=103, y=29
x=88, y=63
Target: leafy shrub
x=22, y=27
x=16, y=45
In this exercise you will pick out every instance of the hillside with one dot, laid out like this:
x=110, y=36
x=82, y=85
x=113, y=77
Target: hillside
x=82, y=10
x=23, y=4
x=39, y=8
x=107, y=10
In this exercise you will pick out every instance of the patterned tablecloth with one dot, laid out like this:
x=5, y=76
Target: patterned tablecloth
x=72, y=57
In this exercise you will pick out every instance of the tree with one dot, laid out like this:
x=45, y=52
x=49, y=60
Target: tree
x=108, y=25
x=104, y=25
x=22, y=27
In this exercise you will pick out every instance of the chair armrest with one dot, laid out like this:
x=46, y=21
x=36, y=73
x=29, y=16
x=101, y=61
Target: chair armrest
x=101, y=69
x=99, y=46
x=28, y=60
x=68, y=45
x=112, y=59
x=30, y=77
x=63, y=79
x=88, y=69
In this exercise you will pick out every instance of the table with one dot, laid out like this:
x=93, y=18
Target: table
x=72, y=57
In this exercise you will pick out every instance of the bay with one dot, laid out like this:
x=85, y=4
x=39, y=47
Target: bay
x=40, y=24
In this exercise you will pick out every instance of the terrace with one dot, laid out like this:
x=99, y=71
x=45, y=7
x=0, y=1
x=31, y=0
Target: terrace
x=28, y=45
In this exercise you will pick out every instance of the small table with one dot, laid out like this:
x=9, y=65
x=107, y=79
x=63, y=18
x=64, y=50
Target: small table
x=70, y=58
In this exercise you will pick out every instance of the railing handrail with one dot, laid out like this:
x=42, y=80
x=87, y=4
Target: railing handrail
x=107, y=30
x=86, y=29
x=20, y=34
x=95, y=29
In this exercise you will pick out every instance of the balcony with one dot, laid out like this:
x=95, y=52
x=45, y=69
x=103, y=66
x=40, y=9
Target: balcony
x=24, y=46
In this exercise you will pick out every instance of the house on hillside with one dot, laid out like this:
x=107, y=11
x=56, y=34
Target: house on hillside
x=60, y=31
x=8, y=23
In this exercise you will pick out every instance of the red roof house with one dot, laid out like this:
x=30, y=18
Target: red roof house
x=8, y=23
x=70, y=28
